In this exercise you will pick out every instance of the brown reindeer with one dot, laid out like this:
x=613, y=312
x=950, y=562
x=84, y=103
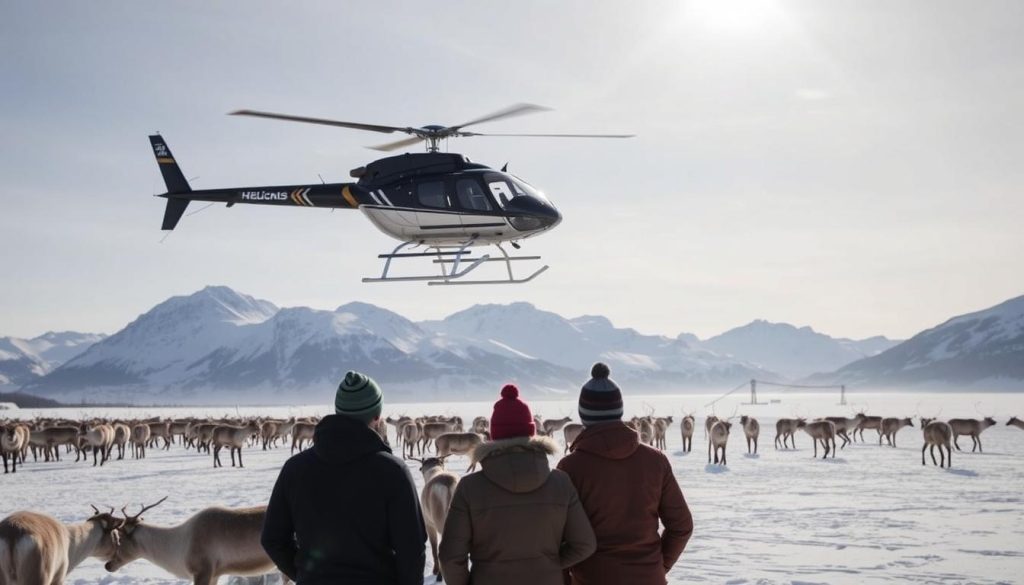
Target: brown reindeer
x=36, y=549
x=570, y=433
x=234, y=439
x=751, y=429
x=140, y=438
x=708, y=423
x=843, y=427
x=213, y=542
x=411, y=433
x=100, y=439
x=13, y=439
x=436, y=499
x=786, y=429
x=51, y=438
x=481, y=425
x=891, y=426
x=717, y=439
x=868, y=422
x=937, y=433
x=661, y=425
x=552, y=426
x=302, y=432
x=433, y=430
x=972, y=427
x=458, y=444
x=820, y=430
x=122, y=435
x=1015, y=422
x=686, y=428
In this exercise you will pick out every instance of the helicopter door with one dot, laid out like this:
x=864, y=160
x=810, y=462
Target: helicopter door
x=436, y=214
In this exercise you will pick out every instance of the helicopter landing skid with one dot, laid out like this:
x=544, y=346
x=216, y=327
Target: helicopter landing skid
x=454, y=263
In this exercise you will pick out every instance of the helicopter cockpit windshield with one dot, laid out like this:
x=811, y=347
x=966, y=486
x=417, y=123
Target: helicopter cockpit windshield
x=505, y=187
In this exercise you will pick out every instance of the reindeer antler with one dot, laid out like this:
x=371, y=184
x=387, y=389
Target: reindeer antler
x=142, y=511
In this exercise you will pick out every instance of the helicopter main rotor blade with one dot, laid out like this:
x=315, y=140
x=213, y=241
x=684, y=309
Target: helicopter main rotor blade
x=324, y=121
x=509, y=112
x=552, y=135
x=398, y=144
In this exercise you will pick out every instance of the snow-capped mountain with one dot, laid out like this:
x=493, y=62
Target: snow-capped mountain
x=24, y=360
x=792, y=351
x=653, y=362
x=220, y=346
x=982, y=350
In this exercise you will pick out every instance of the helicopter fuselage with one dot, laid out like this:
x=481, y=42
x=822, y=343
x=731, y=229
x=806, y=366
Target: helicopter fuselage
x=429, y=198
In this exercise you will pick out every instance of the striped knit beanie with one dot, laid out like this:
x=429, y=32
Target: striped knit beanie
x=358, y=397
x=600, y=398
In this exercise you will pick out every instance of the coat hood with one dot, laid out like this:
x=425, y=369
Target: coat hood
x=611, y=440
x=340, y=440
x=517, y=465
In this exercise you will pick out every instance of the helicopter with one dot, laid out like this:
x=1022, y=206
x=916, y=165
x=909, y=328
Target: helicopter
x=438, y=205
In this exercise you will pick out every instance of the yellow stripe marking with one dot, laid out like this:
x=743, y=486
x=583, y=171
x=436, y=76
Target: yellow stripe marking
x=295, y=198
x=165, y=160
x=347, y=194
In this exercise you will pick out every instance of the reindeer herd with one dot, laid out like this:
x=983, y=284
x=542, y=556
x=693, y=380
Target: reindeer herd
x=38, y=549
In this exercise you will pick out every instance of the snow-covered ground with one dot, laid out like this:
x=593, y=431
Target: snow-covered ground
x=871, y=515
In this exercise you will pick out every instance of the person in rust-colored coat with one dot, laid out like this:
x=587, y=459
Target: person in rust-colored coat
x=517, y=521
x=626, y=487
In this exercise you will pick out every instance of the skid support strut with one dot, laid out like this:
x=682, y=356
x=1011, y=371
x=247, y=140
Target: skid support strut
x=453, y=263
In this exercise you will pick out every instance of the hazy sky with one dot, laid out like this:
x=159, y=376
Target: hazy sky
x=854, y=166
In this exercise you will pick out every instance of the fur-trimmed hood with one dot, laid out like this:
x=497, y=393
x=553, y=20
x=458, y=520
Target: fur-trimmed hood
x=519, y=464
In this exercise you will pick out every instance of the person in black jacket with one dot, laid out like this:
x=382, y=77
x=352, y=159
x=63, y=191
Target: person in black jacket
x=347, y=511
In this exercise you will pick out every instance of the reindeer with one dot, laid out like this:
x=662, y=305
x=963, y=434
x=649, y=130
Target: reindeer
x=140, y=437
x=398, y=423
x=100, y=439
x=644, y=427
x=411, y=433
x=686, y=429
x=661, y=425
x=234, y=439
x=458, y=444
x=891, y=426
x=436, y=499
x=972, y=427
x=122, y=435
x=843, y=426
x=552, y=426
x=53, y=437
x=213, y=542
x=786, y=428
x=538, y=425
x=13, y=439
x=302, y=432
x=36, y=549
x=481, y=425
x=868, y=422
x=751, y=429
x=708, y=423
x=1015, y=422
x=820, y=430
x=570, y=433
x=937, y=433
x=717, y=439
x=433, y=430
x=158, y=430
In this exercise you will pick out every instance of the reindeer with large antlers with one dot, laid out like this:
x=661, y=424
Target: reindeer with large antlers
x=36, y=549
x=213, y=542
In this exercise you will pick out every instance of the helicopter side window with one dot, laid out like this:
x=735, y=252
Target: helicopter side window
x=471, y=196
x=431, y=194
x=501, y=191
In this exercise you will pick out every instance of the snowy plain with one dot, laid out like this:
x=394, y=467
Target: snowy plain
x=871, y=515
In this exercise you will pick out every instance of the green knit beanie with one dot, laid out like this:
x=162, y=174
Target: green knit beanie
x=358, y=397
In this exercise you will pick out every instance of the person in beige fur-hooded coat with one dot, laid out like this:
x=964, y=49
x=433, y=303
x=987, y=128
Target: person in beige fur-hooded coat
x=517, y=520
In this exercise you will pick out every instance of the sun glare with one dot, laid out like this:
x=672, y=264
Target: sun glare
x=733, y=16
